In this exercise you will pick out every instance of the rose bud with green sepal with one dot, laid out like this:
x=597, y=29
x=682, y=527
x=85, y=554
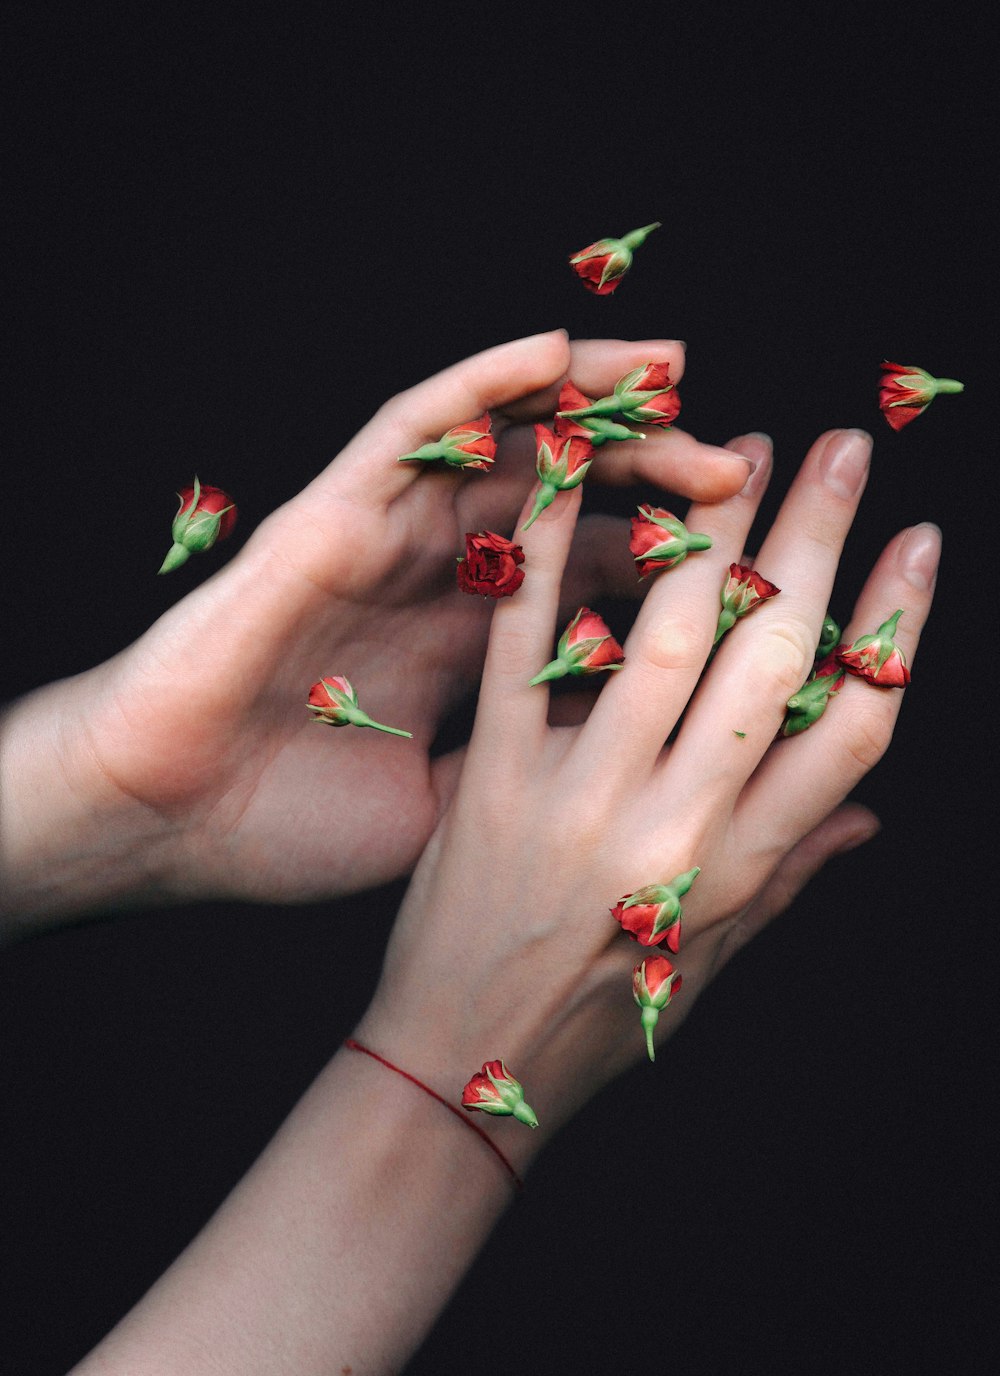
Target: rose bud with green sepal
x=490, y=566
x=654, y=983
x=653, y=914
x=470, y=445
x=494, y=1090
x=561, y=463
x=804, y=708
x=659, y=540
x=877, y=658
x=602, y=264
x=205, y=516
x=586, y=646
x=598, y=429
x=332, y=700
x=644, y=394
x=905, y=392
x=743, y=590
x=829, y=637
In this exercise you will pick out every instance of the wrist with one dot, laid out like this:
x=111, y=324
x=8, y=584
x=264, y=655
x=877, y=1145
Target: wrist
x=70, y=840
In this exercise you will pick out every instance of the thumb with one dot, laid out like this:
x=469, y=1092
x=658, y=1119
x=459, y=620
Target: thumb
x=844, y=829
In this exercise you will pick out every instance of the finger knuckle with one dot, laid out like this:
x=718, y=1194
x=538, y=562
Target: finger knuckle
x=674, y=643
x=782, y=658
x=868, y=736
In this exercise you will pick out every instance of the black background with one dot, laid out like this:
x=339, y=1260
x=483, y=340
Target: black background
x=231, y=241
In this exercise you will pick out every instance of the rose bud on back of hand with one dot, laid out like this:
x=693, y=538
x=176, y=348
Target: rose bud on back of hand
x=743, y=590
x=332, y=700
x=905, y=392
x=494, y=1090
x=490, y=567
x=586, y=646
x=804, y=708
x=561, y=463
x=877, y=658
x=653, y=914
x=470, y=445
x=653, y=985
x=205, y=516
x=602, y=264
x=659, y=540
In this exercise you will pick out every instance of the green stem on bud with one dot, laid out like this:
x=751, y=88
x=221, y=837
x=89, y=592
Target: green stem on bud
x=888, y=628
x=546, y=496
x=358, y=718
x=727, y=620
x=948, y=384
x=635, y=237
x=177, y=555
x=426, y=452
x=650, y=1017
x=695, y=541
x=524, y=1113
x=557, y=668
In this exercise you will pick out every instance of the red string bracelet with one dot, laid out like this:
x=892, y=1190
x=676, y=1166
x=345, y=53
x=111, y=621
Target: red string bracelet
x=352, y=1045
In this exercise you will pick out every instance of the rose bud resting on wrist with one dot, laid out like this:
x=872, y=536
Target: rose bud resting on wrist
x=205, y=516
x=654, y=983
x=332, y=700
x=653, y=914
x=905, y=392
x=494, y=1090
x=659, y=540
x=602, y=265
x=586, y=646
x=490, y=566
x=877, y=658
x=470, y=445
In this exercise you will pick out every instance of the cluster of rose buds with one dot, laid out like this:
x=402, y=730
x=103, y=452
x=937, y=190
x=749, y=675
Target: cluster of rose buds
x=875, y=658
x=494, y=1090
x=645, y=395
x=649, y=916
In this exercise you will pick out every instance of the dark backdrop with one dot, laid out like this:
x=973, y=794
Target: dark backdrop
x=231, y=240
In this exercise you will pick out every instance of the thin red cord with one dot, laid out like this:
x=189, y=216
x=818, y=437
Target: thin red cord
x=352, y=1045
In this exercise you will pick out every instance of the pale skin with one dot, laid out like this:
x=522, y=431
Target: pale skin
x=188, y=767
x=340, y=1246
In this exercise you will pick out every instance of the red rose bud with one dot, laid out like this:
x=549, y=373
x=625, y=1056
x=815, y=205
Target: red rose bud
x=334, y=701
x=561, y=463
x=829, y=637
x=659, y=540
x=653, y=986
x=877, y=657
x=653, y=914
x=905, y=392
x=644, y=394
x=602, y=265
x=743, y=590
x=597, y=429
x=494, y=1090
x=490, y=565
x=804, y=708
x=586, y=646
x=463, y=446
x=205, y=515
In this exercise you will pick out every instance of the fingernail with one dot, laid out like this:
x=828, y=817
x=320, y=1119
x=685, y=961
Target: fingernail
x=844, y=464
x=760, y=467
x=919, y=555
x=866, y=833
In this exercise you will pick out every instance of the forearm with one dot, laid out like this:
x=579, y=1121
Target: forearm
x=336, y=1251
x=70, y=841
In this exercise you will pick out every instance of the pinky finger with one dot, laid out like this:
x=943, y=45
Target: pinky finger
x=801, y=779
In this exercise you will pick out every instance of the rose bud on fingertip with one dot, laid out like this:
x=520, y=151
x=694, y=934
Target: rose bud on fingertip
x=653, y=914
x=205, y=516
x=905, y=392
x=743, y=590
x=654, y=983
x=659, y=540
x=470, y=445
x=877, y=658
x=490, y=566
x=494, y=1090
x=586, y=646
x=602, y=264
x=332, y=700
x=561, y=463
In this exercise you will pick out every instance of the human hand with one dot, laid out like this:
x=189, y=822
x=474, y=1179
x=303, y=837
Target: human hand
x=505, y=945
x=188, y=767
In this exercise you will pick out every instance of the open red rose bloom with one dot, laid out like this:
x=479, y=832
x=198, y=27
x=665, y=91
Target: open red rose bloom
x=490, y=567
